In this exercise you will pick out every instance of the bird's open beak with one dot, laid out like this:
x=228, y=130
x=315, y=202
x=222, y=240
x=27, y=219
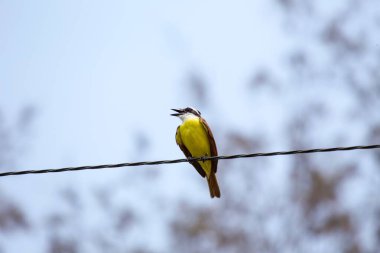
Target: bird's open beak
x=179, y=112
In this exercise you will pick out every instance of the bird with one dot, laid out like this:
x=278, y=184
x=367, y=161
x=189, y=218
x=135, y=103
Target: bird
x=195, y=139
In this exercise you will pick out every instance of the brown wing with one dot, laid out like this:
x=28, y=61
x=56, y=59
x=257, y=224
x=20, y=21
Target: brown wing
x=187, y=153
x=214, y=151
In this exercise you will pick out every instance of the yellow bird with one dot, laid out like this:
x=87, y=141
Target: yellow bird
x=195, y=139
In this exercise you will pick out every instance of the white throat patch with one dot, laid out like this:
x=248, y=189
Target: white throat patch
x=187, y=116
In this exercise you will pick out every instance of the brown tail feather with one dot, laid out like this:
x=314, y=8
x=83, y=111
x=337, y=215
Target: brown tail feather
x=213, y=186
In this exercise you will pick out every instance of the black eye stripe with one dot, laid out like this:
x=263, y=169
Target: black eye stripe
x=191, y=110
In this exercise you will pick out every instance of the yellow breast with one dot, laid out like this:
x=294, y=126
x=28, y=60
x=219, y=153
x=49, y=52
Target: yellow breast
x=195, y=138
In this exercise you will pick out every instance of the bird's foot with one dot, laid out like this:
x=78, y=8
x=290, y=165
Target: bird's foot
x=203, y=158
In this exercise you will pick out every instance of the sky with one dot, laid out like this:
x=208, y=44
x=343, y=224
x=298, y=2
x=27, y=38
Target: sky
x=99, y=74
x=102, y=77
x=103, y=73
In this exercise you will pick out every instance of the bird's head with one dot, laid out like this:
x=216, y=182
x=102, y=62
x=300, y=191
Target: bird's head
x=186, y=113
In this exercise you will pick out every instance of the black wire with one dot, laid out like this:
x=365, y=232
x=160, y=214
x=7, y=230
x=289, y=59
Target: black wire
x=222, y=157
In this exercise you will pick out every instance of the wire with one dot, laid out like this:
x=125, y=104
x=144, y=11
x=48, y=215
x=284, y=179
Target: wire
x=222, y=157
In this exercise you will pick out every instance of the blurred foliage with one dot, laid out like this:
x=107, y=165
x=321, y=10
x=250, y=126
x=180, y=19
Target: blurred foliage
x=57, y=245
x=12, y=218
x=352, y=61
x=12, y=141
x=304, y=203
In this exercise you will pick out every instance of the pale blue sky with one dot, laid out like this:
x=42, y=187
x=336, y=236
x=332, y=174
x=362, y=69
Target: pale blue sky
x=101, y=73
x=98, y=72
